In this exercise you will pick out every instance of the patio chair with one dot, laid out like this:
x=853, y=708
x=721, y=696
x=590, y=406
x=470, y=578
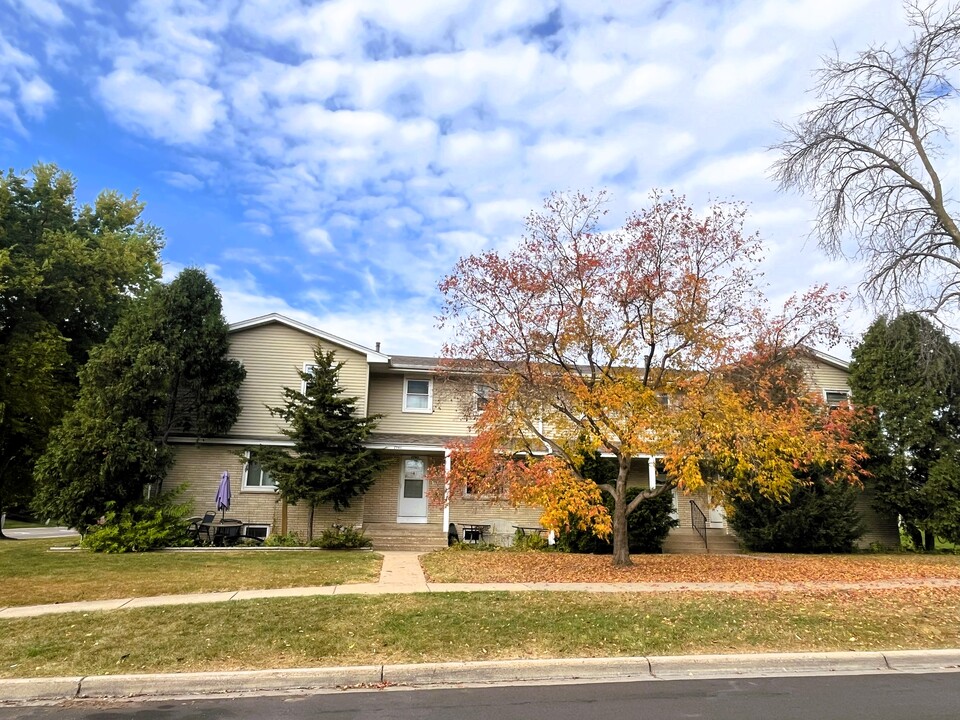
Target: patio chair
x=200, y=525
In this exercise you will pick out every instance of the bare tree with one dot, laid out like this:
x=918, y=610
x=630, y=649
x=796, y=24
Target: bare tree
x=867, y=154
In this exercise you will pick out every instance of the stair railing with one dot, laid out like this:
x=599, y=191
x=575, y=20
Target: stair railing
x=699, y=522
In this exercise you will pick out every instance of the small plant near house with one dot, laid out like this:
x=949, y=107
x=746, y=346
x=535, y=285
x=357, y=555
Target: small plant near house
x=148, y=525
x=522, y=541
x=341, y=537
x=290, y=539
x=475, y=546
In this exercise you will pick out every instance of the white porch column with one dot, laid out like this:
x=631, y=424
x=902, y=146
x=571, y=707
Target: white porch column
x=652, y=471
x=446, y=490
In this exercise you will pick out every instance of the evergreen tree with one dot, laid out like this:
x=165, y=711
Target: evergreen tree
x=66, y=273
x=328, y=463
x=908, y=372
x=820, y=516
x=163, y=370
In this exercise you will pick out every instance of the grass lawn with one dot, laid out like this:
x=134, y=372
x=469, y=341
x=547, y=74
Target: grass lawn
x=469, y=566
x=353, y=630
x=30, y=574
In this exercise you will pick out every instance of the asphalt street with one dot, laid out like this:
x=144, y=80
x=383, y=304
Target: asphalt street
x=875, y=697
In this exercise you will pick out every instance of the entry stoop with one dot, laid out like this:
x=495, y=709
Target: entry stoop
x=418, y=538
x=686, y=541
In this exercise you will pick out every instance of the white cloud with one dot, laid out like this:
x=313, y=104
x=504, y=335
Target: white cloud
x=317, y=241
x=184, y=181
x=181, y=111
x=376, y=142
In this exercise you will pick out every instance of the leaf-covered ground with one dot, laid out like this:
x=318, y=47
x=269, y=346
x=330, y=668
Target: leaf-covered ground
x=529, y=567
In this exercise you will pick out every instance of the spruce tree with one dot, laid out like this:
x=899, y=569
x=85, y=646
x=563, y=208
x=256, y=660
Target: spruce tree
x=908, y=372
x=328, y=463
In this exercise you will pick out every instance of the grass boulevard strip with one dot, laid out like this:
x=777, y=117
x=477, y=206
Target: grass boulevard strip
x=362, y=630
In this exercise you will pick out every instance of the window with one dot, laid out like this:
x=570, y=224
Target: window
x=257, y=531
x=256, y=478
x=481, y=395
x=307, y=368
x=417, y=395
x=836, y=398
x=413, y=476
x=663, y=399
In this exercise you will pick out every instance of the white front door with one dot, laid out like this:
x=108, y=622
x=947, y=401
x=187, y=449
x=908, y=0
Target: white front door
x=716, y=518
x=412, y=504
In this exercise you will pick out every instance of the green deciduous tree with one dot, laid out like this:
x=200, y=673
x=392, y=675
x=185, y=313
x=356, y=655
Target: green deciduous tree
x=67, y=271
x=163, y=371
x=908, y=371
x=328, y=463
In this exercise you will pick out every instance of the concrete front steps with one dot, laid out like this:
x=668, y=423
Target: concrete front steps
x=419, y=538
x=686, y=541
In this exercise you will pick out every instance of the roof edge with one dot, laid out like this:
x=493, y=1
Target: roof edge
x=373, y=356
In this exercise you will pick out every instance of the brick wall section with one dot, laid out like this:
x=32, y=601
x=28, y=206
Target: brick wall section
x=200, y=467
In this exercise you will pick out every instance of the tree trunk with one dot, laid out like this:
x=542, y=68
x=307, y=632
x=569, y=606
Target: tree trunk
x=929, y=541
x=621, y=541
x=916, y=537
x=310, y=523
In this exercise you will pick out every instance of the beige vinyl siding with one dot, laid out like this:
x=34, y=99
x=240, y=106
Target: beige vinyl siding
x=200, y=468
x=821, y=376
x=386, y=398
x=271, y=355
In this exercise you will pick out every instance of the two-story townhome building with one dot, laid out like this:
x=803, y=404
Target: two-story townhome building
x=418, y=422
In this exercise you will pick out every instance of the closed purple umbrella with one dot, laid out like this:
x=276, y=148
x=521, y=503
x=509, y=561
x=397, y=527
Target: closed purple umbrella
x=223, y=493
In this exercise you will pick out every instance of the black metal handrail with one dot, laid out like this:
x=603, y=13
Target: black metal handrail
x=699, y=522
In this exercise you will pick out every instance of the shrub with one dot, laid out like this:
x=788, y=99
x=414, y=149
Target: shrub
x=290, y=539
x=148, y=525
x=647, y=528
x=819, y=517
x=534, y=541
x=340, y=537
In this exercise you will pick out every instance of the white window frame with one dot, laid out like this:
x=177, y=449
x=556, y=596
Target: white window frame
x=244, y=487
x=414, y=378
x=307, y=367
x=481, y=396
x=265, y=526
x=845, y=393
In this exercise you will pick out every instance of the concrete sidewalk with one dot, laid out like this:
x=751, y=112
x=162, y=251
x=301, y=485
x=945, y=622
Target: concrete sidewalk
x=401, y=573
x=472, y=674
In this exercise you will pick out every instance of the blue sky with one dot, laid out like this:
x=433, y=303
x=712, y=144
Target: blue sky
x=331, y=160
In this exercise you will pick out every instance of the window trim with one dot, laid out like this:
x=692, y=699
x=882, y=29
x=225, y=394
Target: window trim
x=303, y=383
x=244, y=487
x=845, y=393
x=266, y=527
x=418, y=378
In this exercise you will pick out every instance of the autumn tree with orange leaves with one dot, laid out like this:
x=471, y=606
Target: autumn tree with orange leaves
x=583, y=335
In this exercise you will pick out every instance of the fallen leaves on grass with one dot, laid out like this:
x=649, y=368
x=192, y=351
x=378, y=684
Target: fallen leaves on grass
x=531, y=567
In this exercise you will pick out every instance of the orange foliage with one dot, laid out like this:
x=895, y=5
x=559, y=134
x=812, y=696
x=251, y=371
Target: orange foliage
x=583, y=333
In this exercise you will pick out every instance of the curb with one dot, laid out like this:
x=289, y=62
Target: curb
x=154, y=686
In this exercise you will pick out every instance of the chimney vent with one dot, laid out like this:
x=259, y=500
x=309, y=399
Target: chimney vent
x=378, y=346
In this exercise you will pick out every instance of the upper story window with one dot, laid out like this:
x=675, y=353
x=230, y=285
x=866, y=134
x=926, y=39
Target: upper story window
x=417, y=395
x=307, y=368
x=663, y=399
x=836, y=398
x=481, y=396
x=256, y=478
